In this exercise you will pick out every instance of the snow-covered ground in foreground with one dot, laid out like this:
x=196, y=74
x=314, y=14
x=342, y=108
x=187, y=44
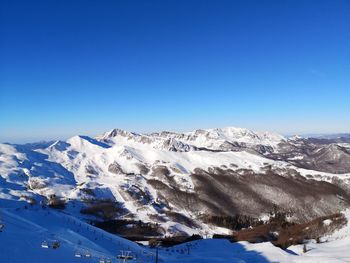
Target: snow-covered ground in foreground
x=334, y=248
x=221, y=250
x=25, y=230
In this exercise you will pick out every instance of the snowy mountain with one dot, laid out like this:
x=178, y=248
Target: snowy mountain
x=177, y=176
x=212, y=139
x=170, y=183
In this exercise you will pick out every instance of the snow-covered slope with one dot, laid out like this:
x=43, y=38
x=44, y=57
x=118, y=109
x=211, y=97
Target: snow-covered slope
x=124, y=168
x=174, y=179
x=174, y=182
x=27, y=232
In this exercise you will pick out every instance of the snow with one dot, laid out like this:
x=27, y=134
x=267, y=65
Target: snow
x=209, y=138
x=66, y=168
x=26, y=229
x=335, y=250
x=213, y=138
x=327, y=222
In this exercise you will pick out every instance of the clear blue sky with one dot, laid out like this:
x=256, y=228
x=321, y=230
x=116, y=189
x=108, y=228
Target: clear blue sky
x=84, y=67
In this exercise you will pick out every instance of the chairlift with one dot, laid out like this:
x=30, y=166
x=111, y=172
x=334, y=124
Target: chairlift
x=108, y=260
x=102, y=260
x=88, y=254
x=55, y=244
x=44, y=244
x=77, y=254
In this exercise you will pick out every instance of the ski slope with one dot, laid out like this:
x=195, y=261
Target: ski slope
x=27, y=228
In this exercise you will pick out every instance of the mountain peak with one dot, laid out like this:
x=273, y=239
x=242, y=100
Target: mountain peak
x=114, y=133
x=80, y=141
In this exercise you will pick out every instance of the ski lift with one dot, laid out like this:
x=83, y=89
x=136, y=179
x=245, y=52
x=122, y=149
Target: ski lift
x=77, y=254
x=87, y=254
x=125, y=255
x=102, y=260
x=55, y=244
x=44, y=244
x=108, y=260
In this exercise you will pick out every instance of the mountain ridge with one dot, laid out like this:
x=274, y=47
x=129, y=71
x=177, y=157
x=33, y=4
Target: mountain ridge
x=175, y=179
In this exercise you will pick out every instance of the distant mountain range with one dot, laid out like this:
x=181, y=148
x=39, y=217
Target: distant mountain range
x=330, y=136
